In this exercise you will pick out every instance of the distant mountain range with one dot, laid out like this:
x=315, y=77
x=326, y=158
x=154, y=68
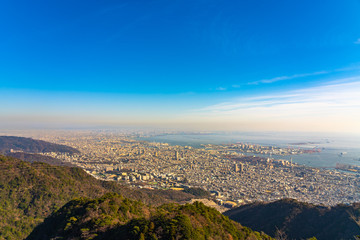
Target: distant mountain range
x=30, y=145
x=299, y=220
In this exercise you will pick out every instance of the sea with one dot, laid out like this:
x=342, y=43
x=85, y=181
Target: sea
x=335, y=148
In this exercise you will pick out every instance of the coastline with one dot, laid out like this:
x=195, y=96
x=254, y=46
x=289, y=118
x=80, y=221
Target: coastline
x=329, y=156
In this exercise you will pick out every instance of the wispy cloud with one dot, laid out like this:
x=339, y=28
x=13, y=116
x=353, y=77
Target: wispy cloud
x=333, y=106
x=221, y=89
x=335, y=93
x=282, y=78
x=302, y=75
x=357, y=41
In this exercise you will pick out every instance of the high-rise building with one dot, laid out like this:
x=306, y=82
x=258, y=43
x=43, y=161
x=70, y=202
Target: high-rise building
x=239, y=167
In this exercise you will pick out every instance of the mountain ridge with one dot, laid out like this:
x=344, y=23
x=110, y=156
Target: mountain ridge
x=299, y=220
x=30, y=145
x=29, y=192
x=115, y=217
x=35, y=157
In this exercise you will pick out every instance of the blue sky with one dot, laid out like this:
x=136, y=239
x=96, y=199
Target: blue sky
x=173, y=63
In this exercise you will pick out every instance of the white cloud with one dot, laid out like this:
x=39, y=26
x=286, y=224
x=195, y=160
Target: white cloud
x=282, y=78
x=346, y=93
x=332, y=107
x=221, y=89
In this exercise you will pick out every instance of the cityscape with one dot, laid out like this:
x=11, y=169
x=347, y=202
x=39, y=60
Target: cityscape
x=169, y=120
x=230, y=176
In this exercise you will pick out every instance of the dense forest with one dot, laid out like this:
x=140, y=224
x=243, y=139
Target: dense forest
x=29, y=192
x=115, y=217
x=298, y=220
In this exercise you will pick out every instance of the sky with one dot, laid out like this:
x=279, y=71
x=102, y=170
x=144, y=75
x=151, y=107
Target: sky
x=208, y=65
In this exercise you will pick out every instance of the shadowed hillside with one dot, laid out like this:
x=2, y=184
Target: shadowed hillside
x=299, y=220
x=33, y=157
x=29, y=192
x=32, y=146
x=115, y=217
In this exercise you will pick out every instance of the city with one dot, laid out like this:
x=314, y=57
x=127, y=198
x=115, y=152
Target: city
x=230, y=176
x=180, y=120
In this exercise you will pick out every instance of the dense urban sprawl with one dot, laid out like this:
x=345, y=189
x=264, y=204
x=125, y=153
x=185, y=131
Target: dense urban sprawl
x=232, y=177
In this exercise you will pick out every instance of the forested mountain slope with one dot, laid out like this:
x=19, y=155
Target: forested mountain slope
x=299, y=220
x=29, y=192
x=115, y=217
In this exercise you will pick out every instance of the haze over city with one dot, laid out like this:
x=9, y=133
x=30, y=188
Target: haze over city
x=207, y=65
